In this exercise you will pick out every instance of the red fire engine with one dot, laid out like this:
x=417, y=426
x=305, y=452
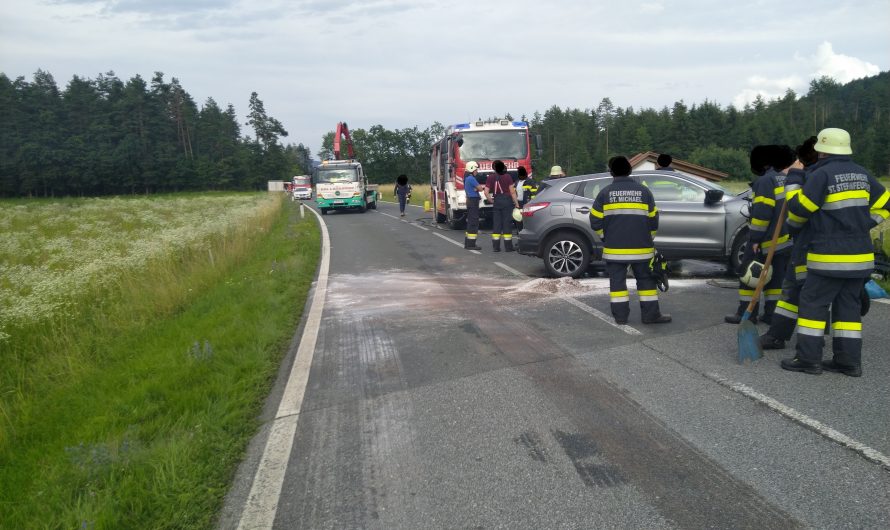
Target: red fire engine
x=484, y=142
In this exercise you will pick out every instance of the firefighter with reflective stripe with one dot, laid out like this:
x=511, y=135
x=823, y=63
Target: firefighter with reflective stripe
x=625, y=218
x=472, y=189
x=785, y=316
x=526, y=187
x=838, y=204
x=767, y=162
x=500, y=186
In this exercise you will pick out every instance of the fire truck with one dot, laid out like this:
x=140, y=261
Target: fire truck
x=341, y=184
x=300, y=187
x=483, y=142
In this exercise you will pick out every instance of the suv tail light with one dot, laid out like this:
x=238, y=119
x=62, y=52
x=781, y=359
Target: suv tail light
x=529, y=209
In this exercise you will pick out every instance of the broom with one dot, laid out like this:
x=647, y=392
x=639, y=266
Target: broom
x=749, y=340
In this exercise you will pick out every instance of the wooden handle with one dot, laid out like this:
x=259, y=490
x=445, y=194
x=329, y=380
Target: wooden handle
x=769, y=258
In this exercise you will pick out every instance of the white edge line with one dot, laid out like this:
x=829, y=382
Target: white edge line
x=262, y=502
x=881, y=300
x=425, y=229
x=798, y=417
x=580, y=305
x=453, y=242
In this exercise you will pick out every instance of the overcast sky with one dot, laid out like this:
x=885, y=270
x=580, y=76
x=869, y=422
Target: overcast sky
x=402, y=63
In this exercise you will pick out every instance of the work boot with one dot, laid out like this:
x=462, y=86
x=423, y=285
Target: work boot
x=660, y=319
x=736, y=318
x=508, y=245
x=470, y=244
x=796, y=365
x=496, y=245
x=852, y=371
x=768, y=342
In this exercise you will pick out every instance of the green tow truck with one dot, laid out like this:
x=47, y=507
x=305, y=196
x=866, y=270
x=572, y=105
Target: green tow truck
x=341, y=185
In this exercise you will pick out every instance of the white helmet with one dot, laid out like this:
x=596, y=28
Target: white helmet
x=833, y=142
x=753, y=272
x=472, y=166
x=517, y=215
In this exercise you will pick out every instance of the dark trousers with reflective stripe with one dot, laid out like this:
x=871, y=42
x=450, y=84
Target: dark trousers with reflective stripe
x=646, y=289
x=472, y=217
x=842, y=294
x=772, y=291
x=787, y=308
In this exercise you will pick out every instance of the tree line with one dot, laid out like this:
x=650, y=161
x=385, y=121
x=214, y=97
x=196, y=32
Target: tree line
x=582, y=141
x=107, y=136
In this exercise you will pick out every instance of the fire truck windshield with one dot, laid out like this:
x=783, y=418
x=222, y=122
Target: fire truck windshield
x=492, y=145
x=332, y=175
x=302, y=181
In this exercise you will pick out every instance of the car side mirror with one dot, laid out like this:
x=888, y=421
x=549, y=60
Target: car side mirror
x=713, y=196
x=459, y=140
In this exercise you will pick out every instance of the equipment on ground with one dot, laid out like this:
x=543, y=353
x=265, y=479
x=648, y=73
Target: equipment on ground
x=752, y=273
x=749, y=340
x=475, y=144
x=342, y=184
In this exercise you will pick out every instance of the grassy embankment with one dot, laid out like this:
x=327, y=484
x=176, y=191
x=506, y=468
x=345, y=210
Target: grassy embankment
x=138, y=338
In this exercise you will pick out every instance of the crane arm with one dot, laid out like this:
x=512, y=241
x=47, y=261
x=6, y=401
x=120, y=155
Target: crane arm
x=343, y=131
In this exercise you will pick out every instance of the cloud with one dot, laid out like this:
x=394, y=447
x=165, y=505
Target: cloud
x=651, y=8
x=842, y=68
x=824, y=62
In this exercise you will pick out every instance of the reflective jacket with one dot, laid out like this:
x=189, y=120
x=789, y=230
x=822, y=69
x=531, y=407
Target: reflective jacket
x=793, y=184
x=626, y=219
x=769, y=195
x=839, y=203
x=529, y=189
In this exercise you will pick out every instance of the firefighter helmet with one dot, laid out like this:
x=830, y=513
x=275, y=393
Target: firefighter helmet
x=752, y=274
x=472, y=166
x=833, y=142
x=517, y=215
x=660, y=271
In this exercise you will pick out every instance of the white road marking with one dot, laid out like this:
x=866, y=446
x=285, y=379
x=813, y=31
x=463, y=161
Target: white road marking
x=453, y=242
x=798, y=417
x=262, y=503
x=425, y=229
x=580, y=305
x=881, y=300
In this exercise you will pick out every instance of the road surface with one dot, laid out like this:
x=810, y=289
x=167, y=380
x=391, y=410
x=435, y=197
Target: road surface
x=441, y=388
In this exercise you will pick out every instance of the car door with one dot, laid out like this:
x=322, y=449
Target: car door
x=585, y=192
x=687, y=226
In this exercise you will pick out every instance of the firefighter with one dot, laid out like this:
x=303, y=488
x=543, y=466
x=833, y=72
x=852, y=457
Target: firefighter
x=785, y=315
x=663, y=162
x=767, y=163
x=838, y=204
x=472, y=189
x=625, y=218
x=500, y=186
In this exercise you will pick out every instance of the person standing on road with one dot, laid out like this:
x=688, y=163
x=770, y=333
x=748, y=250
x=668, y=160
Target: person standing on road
x=767, y=162
x=839, y=204
x=500, y=186
x=785, y=315
x=402, y=191
x=472, y=189
x=556, y=172
x=625, y=218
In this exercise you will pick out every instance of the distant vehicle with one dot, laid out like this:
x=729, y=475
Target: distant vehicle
x=482, y=142
x=301, y=188
x=697, y=219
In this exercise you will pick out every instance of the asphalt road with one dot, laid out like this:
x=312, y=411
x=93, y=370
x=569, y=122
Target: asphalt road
x=456, y=389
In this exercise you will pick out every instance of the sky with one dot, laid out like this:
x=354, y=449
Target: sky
x=406, y=63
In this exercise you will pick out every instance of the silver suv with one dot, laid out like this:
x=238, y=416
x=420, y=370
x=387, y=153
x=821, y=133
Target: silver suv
x=697, y=219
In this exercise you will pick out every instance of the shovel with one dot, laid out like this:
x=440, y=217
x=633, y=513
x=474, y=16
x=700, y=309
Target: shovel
x=749, y=340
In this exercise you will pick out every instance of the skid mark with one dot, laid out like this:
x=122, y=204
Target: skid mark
x=585, y=456
x=533, y=443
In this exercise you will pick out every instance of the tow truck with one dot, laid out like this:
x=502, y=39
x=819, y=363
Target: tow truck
x=341, y=184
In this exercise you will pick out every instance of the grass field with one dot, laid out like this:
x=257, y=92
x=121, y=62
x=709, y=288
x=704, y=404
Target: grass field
x=139, y=338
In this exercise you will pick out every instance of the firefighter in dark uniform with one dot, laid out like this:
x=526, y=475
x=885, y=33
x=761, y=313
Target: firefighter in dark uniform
x=472, y=188
x=768, y=162
x=784, y=319
x=839, y=203
x=503, y=192
x=625, y=218
x=526, y=187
